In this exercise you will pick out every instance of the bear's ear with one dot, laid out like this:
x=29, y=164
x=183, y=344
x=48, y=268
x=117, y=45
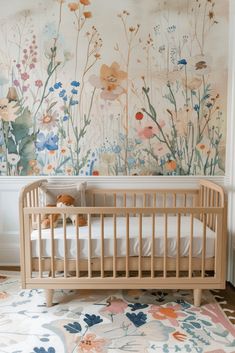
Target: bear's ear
x=58, y=197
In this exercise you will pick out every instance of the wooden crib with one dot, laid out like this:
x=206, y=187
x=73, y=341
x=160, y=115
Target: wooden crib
x=134, y=239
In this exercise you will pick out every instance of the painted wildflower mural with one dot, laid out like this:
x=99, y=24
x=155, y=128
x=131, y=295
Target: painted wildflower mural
x=102, y=87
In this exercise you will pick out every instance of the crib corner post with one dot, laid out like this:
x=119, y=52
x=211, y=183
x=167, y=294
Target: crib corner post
x=49, y=297
x=197, y=296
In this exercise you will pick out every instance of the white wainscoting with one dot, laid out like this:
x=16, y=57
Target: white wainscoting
x=10, y=188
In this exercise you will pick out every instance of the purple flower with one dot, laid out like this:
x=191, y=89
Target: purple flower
x=16, y=83
x=65, y=118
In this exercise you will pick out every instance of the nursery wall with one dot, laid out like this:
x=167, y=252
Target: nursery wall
x=126, y=87
x=115, y=89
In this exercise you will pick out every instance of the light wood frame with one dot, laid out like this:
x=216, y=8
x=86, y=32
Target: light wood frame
x=207, y=203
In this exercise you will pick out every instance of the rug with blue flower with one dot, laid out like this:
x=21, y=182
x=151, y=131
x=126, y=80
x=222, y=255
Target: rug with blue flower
x=111, y=322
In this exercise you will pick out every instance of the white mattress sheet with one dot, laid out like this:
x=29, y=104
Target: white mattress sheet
x=121, y=238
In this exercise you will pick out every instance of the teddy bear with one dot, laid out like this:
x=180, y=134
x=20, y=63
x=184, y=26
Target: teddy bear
x=62, y=200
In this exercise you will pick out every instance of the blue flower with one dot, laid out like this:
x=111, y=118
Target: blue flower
x=137, y=319
x=65, y=98
x=73, y=328
x=62, y=93
x=137, y=306
x=43, y=350
x=51, y=89
x=73, y=102
x=75, y=84
x=196, y=108
x=65, y=118
x=74, y=91
x=117, y=149
x=49, y=142
x=131, y=161
x=182, y=62
x=57, y=85
x=92, y=320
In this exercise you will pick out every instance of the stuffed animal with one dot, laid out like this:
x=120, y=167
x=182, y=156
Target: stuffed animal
x=62, y=200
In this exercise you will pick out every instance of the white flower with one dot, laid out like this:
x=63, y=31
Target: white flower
x=13, y=158
x=3, y=166
x=48, y=121
x=8, y=110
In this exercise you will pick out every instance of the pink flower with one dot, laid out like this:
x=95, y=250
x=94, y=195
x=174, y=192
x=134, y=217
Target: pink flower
x=115, y=306
x=38, y=83
x=31, y=66
x=18, y=66
x=16, y=83
x=24, y=88
x=25, y=76
x=147, y=132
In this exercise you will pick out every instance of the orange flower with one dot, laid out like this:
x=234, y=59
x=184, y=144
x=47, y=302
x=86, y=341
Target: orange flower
x=179, y=336
x=111, y=76
x=90, y=343
x=171, y=165
x=85, y=2
x=87, y=14
x=73, y=6
x=32, y=163
x=3, y=295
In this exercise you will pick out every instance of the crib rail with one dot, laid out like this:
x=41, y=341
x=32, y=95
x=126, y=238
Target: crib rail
x=127, y=266
x=207, y=204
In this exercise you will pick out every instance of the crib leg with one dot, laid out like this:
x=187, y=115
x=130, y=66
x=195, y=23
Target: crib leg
x=49, y=297
x=197, y=294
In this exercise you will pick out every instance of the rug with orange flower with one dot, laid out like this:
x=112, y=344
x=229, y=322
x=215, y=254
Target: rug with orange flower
x=111, y=322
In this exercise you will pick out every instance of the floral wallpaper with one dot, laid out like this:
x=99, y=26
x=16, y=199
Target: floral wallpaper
x=104, y=87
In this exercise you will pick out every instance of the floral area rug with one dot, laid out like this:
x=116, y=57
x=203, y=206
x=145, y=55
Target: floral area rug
x=111, y=322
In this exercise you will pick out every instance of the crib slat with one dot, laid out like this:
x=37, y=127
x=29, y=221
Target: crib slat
x=114, y=199
x=164, y=199
x=127, y=245
x=155, y=200
x=114, y=246
x=102, y=244
x=40, y=244
x=124, y=200
x=89, y=246
x=191, y=245
x=77, y=246
x=165, y=247
x=178, y=245
x=93, y=199
x=145, y=200
x=134, y=200
x=204, y=245
x=65, y=244
x=153, y=245
x=52, y=247
x=140, y=245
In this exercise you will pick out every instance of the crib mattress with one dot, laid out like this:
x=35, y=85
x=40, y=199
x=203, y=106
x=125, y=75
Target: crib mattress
x=121, y=238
